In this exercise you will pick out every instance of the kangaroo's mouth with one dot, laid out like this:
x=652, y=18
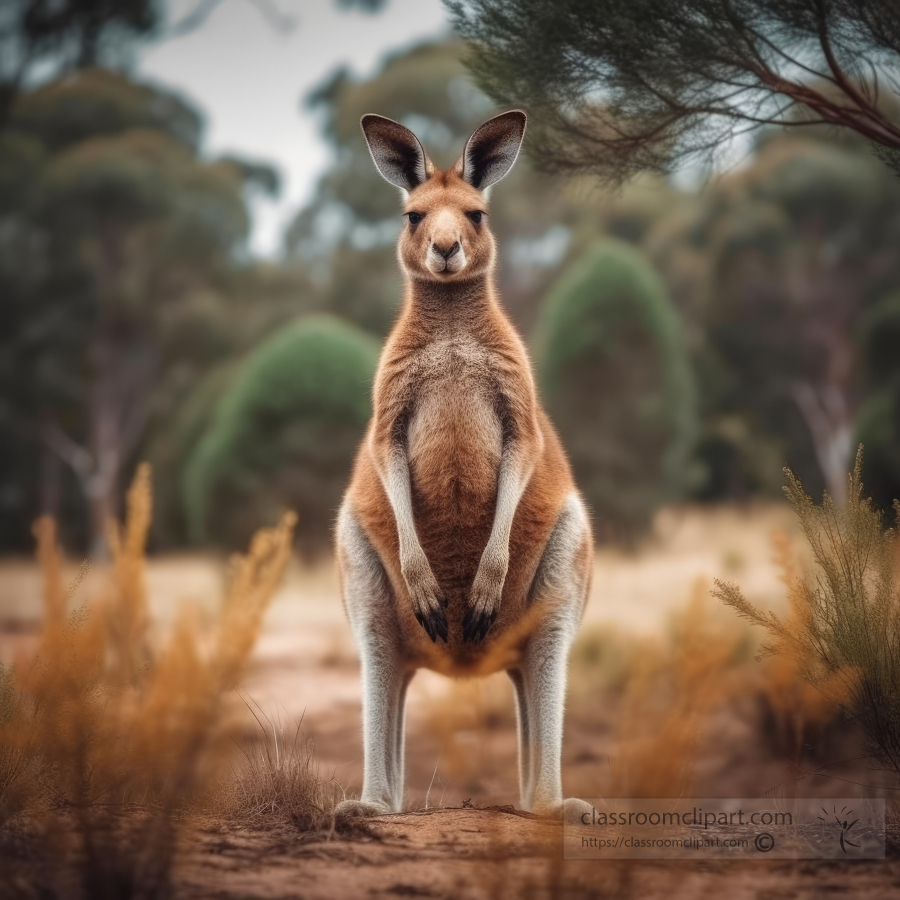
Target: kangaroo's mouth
x=438, y=265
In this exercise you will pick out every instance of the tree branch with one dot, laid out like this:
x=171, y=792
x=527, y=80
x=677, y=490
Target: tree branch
x=68, y=450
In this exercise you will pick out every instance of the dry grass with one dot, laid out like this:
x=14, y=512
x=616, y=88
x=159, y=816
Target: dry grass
x=794, y=712
x=671, y=689
x=602, y=659
x=843, y=630
x=275, y=780
x=100, y=724
x=457, y=715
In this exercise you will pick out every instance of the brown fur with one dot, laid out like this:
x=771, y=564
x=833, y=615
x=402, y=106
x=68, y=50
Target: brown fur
x=455, y=373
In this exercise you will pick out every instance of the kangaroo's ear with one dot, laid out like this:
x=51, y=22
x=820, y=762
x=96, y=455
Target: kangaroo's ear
x=492, y=149
x=396, y=152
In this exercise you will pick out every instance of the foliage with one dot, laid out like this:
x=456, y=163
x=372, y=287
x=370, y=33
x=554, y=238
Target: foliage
x=796, y=718
x=615, y=376
x=775, y=269
x=95, y=103
x=171, y=448
x=622, y=86
x=99, y=722
x=844, y=628
x=114, y=234
x=60, y=36
x=284, y=433
x=878, y=424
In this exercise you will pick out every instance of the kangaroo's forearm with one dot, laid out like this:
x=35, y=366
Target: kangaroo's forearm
x=391, y=455
x=399, y=491
x=424, y=592
x=515, y=472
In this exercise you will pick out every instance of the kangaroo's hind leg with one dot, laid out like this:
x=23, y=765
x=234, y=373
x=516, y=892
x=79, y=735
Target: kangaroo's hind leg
x=370, y=607
x=561, y=584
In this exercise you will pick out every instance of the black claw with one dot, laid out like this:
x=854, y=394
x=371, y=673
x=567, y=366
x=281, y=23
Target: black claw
x=476, y=625
x=435, y=624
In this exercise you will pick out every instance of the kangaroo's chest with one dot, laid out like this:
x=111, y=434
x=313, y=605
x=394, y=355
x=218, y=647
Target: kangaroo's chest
x=455, y=437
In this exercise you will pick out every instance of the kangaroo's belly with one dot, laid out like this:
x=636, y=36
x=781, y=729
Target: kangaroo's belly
x=455, y=444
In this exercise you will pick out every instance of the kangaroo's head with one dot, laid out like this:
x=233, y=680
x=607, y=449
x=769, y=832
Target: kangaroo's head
x=446, y=235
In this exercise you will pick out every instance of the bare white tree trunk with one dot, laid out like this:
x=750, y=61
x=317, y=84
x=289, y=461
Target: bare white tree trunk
x=123, y=373
x=827, y=415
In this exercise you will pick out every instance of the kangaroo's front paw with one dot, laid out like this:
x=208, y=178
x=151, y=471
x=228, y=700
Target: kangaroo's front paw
x=428, y=603
x=350, y=808
x=484, y=604
x=434, y=621
x=570, y=811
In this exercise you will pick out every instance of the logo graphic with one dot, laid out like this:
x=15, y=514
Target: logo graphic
x=842, y=820
x=764, y=842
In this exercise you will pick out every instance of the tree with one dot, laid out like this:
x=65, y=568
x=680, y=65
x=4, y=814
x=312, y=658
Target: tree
x=59, y=36
x=283, y=433
x=615, y=375
x=878, y=423
x=619, y=86
x=114, y=232
x=789, y=254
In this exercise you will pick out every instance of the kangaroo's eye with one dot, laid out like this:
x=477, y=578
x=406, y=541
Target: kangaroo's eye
x=475, y=217
x=414, y=218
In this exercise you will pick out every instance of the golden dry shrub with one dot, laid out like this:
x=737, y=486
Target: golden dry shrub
x=99, y=722
x=793, y=710
x=670, y=691
x=843, y=630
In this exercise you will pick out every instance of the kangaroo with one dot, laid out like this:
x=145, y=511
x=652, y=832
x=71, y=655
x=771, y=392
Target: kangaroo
x=463, y=545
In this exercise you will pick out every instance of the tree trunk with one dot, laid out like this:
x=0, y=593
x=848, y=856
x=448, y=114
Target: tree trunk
x=101, y=511
x=826, y=411
x=123, y=370
x=50, y=473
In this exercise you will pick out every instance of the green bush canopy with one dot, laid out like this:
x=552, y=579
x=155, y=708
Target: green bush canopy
x=878, y=425
x=614, y=372
x=283, y=435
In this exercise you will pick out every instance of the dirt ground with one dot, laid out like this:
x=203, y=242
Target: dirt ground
x=461, y=740
x=494, y=853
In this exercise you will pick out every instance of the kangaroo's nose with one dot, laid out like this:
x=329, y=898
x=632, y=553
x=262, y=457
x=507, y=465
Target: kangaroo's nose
x=446, y=252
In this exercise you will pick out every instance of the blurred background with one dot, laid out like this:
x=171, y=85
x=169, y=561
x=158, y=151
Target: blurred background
x=197, y=269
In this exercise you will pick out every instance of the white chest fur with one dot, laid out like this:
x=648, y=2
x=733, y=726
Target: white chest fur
x=454, y=431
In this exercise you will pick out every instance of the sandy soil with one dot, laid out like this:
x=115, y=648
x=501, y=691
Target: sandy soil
x=461, y=740
x=493, y=853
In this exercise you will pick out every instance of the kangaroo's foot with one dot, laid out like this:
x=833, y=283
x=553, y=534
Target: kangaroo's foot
x=569, y=811
x=361, y=808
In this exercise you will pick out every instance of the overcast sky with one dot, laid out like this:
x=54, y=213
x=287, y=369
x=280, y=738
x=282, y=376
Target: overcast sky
x=250, y=77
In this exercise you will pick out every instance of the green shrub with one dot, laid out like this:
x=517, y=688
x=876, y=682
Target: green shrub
x=616, y=379
x=283, y=434
x=878, y=424
x=173, y=446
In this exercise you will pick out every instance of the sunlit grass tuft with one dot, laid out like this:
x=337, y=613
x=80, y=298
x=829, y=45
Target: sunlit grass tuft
x=795, y=714
x=843, y=630
x=100, y=723
x=671, y=689
x=275, y=780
